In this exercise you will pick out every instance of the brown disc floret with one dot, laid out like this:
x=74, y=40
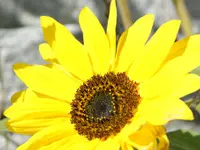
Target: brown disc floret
x=103, y=105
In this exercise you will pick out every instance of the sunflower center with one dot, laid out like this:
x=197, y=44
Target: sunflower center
x=103, y=105
x=100, y=106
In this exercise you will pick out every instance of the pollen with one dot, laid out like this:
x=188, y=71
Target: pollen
x=103, y=105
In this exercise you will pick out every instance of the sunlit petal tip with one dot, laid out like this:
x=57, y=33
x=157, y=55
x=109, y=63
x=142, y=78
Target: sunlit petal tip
x=46, y=52
x=148, y=17
x=111, y=30
x=17, y=97
x=45, y=21
x=19, y=66
x=113, y=6
x=195, y=36
x=85, y=10
x=95, y=41
x=193, y=44
x=112, y=19
x=9, y=126
x=170, y=108
x=173, y=23
x=7, y=112
x=194, y=40
x=113, y=2
x=188, y=114
x=42, y=46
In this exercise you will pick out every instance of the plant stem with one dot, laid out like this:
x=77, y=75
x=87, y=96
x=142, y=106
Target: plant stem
x=184, y=16
x=125, y=13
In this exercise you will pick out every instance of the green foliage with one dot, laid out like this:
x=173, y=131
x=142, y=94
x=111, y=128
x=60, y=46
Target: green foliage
x=196, y=71
x=2, y=125
x=184, y=140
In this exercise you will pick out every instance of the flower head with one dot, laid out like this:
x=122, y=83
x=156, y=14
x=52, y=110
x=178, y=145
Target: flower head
x=97, y=96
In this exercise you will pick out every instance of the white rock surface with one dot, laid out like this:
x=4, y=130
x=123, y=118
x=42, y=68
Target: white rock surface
x=162, y=9
x=22, y=12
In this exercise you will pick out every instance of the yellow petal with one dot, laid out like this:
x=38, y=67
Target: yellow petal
x=136, y=38
x=136, y=122
x=111, y=29
x=18, y=97
x=189, y=84
x=108, y=144
x=193, y=45
x=174, y=69
x=38, y=109
x=85, y=145
x=143, y=137
x=121, y=42
x=147, y=135
x=156, y=51
x=65, y=143
x=163, y=143
x=23, y=113
x=184, y=46
x=170, y=75
x=126, y=147
x=31, y=126
x=25, y=95
x=95, y=41
x=177, y=49
x=160, y=111
x=48, y=135
x=120, y=45
x=158, y=88
x=69, y=52
x=58, y=144
x=58, y=68
x=47, y=53
x=47, y=81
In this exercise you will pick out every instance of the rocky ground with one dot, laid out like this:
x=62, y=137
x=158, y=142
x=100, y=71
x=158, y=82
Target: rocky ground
x=20, y=35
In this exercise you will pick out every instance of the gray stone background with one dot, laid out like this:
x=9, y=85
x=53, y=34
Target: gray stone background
x=20, y=35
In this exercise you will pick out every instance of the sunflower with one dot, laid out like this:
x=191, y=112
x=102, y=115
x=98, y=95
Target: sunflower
x=99, y=96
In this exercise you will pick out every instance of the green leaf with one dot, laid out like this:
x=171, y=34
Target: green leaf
x=198, y=108
x=184, y=140
x=2, y=124
x=196, y=71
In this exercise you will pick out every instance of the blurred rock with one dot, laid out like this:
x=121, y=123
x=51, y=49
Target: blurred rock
x=8, y=15
x=162, y=9
x=15, y=13
x=196, y=26
x=193, y=7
